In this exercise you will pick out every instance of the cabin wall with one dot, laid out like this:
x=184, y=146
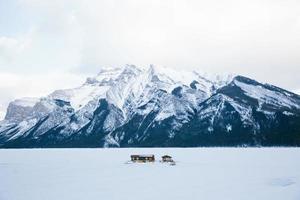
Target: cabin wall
x=142, y=159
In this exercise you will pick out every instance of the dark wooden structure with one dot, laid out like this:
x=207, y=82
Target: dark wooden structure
x=143, y=158
x=167, y=158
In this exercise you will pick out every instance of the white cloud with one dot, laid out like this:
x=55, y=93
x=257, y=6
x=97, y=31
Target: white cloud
x=255, y=38
x=2, y=113
x=11, y=47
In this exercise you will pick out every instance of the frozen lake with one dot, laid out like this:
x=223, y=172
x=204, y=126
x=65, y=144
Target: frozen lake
x=200, y=173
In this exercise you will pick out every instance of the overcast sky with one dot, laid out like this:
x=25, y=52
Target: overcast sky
x=50, y=44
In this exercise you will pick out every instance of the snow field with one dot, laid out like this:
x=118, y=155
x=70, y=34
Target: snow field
x=200, y=173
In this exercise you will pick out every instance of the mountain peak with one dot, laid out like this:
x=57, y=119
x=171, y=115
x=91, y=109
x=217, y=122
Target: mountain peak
x=155, y=106
x=26, y=101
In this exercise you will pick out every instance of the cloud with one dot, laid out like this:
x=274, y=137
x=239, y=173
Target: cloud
x=50, y=38
x=2, y=114
x=259, y=39
x=11, y=47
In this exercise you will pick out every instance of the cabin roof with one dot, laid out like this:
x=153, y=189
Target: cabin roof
x=143, y=155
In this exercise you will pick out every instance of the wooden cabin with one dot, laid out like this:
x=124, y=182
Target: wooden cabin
x=143, y=158
x=167, y=158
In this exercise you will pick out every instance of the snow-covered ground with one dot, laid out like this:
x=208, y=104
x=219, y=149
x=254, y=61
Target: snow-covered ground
x=200, y=173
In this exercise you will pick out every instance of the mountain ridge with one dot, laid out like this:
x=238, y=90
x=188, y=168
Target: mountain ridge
x=156, y=107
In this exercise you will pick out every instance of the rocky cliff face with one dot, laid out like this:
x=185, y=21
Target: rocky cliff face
x=156, y=107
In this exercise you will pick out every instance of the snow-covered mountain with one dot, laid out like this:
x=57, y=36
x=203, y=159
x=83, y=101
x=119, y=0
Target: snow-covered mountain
x=155, y=107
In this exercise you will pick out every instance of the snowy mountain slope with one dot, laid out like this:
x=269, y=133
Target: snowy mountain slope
x=19, y=109
x=131, y=106
x=263, y=96
x=239, y=114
